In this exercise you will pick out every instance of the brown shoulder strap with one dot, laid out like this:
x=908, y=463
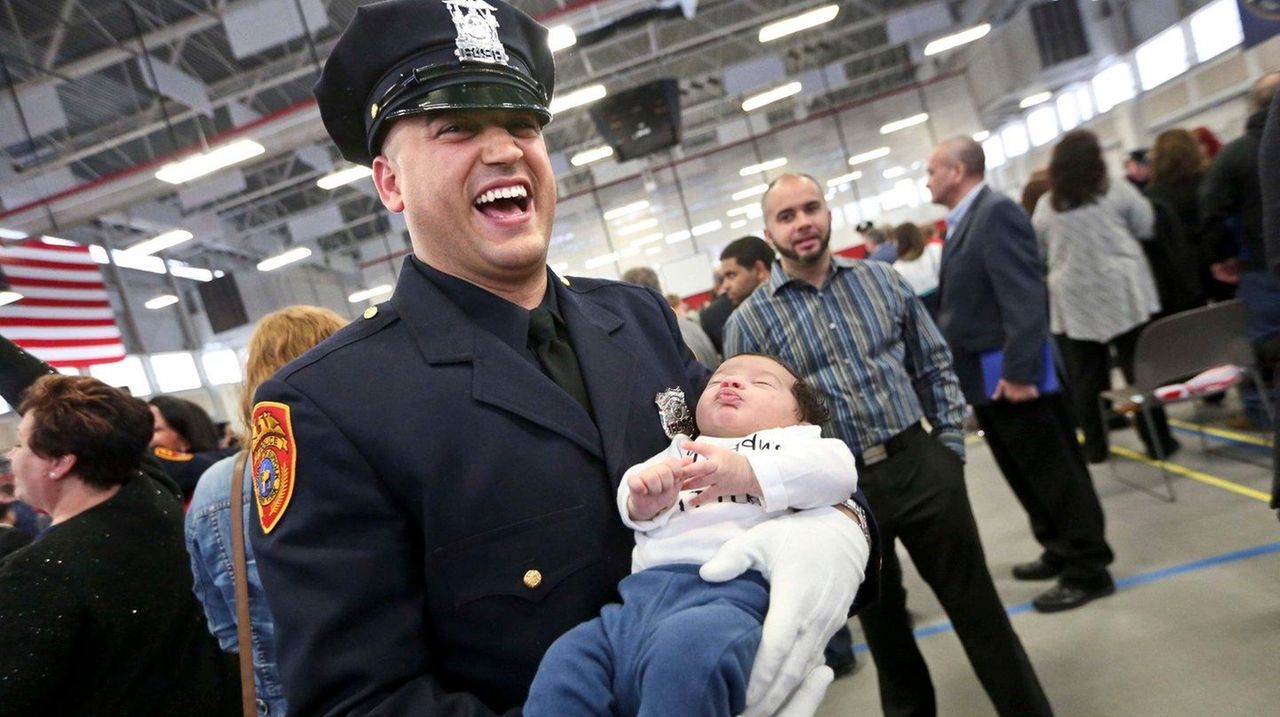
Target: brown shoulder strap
x=247, y=695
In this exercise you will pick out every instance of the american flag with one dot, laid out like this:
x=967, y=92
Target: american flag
x=64, y=316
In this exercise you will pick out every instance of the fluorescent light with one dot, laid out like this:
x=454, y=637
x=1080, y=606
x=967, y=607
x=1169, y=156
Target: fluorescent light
x=629, y=251
x=750, y=192
x=626, y=209
x=298, y=253
x=950, y=42
x=904, y=123
x=343, y=176
x=707, y=228
x=161, y=301
x=982, y=136
x=768, y=97
x=844, y=179
x=868, y=156
x=190, y=272
x=577, y=98
x=796, y=23
x=1036, y=99
x=748, y=210
x=12, y=234
x=601, y=260
x=647, y=239
x=365, y=294
x=591, y=155
x=677, y=237
x=160, y=242
x=8, y=297
x=894, y=172
x=57, y=241
x=638, y=227
x=208, y=162
x=560, y=37
x=762, y=167
x=652, y=250
x=737, y=224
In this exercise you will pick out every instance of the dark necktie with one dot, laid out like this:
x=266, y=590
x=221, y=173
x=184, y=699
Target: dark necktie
x=556, y=355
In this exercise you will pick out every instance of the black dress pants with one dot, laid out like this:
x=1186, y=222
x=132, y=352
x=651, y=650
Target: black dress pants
x=919, y=496
x=1088, y=365
x=1034, y=443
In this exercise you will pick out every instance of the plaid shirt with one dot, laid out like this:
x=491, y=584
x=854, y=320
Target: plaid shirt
x=866, y=341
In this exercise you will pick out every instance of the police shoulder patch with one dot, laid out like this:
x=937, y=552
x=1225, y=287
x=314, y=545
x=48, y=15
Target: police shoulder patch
x=172, y=455
x=274, y=455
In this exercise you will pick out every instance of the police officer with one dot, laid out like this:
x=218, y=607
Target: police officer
x=435, y=484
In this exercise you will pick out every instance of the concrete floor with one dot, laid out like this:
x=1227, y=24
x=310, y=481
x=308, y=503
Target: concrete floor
x=1194, y=628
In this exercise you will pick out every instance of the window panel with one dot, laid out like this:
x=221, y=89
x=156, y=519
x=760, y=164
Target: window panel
x=1042, y=125
x=1113, y=86
x=175, y=371
x=127, y=374
x=1162, y=58
x=1215, y=28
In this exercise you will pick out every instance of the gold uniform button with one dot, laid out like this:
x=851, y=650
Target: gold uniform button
x=532, y=579
x=371, y=312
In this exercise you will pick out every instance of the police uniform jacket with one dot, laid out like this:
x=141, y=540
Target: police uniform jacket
x=454, y=510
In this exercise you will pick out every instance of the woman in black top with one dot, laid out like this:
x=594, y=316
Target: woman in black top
x=1180, y=265
x=98, y=613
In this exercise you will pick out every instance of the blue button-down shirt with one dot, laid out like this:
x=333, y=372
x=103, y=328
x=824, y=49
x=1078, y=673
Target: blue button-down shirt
x=956, y=215
x=866, y=341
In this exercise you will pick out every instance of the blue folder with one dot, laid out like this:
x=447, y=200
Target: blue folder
x=993, y=370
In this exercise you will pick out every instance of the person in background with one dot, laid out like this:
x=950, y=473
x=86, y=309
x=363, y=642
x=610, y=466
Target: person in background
x=1177, y=264
x=279, y=338
x=919, y=263
x=880, y=246
x=745, y=264
x=1101, y=291
x=1210, y=145
x=1269, y=176
x=1231, y=208
x=11, y=537
x=995, y=311
x=694, y=337
x=185, y=440
x=97, y=626
x=716, y=312
x=1137, y=169
x=1036, y=187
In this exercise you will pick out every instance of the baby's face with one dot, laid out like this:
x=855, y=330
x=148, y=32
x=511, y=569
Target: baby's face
x=747, y=394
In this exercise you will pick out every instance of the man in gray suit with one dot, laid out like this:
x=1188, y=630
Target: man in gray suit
x=994, y=314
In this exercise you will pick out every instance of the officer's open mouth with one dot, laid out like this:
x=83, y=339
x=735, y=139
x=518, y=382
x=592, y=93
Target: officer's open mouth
x=504, y=202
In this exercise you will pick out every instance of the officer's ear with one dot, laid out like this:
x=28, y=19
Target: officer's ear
x=386, y=178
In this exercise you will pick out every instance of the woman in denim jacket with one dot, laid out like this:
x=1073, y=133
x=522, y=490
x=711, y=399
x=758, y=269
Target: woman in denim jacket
x=280, y=337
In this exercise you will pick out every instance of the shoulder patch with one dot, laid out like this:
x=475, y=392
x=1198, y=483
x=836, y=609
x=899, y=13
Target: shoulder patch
x=172, y=455
x=275, y=456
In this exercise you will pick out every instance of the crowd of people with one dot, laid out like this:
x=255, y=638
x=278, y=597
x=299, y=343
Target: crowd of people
x=572, y=496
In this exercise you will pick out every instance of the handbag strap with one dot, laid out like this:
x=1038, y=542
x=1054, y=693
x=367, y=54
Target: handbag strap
x=248, y=696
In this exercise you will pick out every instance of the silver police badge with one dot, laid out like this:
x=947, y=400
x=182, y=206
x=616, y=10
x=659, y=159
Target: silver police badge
x=674, y=413
x=477, y=32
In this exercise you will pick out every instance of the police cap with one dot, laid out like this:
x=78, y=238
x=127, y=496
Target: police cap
x=404, y=57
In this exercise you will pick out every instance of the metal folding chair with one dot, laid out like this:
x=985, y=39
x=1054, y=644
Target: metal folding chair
x=1177, y=347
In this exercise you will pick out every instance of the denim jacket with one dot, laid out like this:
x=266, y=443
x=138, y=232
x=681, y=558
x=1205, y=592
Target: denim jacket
x=208, y=531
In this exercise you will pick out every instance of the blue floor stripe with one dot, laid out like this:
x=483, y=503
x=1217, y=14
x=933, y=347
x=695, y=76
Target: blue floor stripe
x=1121, y=584
x=1222, y=439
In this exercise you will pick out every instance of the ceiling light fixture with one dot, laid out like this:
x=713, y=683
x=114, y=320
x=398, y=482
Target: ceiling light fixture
x=796, y=23
x=601, y=260
x=208, y=162
x=707, y=228
x=12, y=234
x=762, y=167
x=560, y=37
x=366, y=294
x=591, y=155
x=904, y=123
x=982, y=136
x=577, y=98
x=868, y=156
x=750, y=192
x=343, y=176
x=160, y=242
x=626, y=209
x=1036, y=99
x=768, y=97
x=647, y=239
x=951, y=42
x=161, y=301
x=638, y=227
x=298, y=253
x=747, y=210
x=677, y=237
x=843, y=179
x=894, y=172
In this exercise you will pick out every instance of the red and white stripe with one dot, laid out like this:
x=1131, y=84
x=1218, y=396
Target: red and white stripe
x=64, y=317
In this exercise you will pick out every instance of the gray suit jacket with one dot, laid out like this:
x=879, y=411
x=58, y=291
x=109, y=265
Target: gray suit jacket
x=993, y=293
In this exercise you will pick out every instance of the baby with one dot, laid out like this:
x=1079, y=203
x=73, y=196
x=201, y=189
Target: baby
x=678, y=645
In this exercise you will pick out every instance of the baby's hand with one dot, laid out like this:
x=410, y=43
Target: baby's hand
x=655, y=488
x=721, y=472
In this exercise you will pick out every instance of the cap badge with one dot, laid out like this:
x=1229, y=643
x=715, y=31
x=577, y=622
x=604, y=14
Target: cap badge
x=673, y=412
x=477, y=32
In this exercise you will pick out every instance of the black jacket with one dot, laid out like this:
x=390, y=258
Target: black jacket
x=1231, y=201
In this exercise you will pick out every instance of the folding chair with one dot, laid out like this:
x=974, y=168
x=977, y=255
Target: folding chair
x=1177, y=347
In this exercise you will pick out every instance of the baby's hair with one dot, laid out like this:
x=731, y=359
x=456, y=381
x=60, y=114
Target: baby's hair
x=812, y=404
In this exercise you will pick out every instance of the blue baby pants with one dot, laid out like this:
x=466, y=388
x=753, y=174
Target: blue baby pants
x=676, y=646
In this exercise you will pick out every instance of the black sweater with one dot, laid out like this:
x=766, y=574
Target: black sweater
x=99, y=618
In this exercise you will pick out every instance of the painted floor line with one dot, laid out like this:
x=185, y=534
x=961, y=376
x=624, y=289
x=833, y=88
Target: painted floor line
x=1121, y=584
x=1193, y=474
x=1241, y=437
